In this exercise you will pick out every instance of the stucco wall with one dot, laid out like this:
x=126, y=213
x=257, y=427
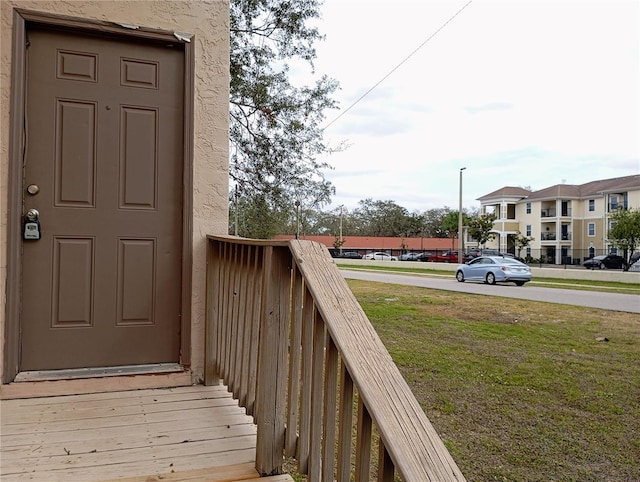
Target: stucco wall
x=209, y=22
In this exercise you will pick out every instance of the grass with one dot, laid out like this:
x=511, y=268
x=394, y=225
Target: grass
x=518, y=391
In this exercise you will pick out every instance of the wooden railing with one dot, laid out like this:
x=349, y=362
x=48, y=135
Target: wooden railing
x=285, y=333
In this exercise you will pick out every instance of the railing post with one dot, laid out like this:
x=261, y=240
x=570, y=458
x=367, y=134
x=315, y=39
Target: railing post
x=212, y=303
x=272, y=361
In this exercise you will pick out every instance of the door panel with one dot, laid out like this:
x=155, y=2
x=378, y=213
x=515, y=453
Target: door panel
x=102, y=287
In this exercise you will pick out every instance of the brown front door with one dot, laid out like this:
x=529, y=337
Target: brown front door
x=103, y=166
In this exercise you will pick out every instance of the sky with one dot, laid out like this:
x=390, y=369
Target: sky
x=520, y=93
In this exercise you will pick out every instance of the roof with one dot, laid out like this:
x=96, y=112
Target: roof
x=381, y=242
x=507, y=191
x=568, y=191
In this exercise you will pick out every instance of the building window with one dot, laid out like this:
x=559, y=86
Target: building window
x=591, y=229
x=528, y=252
x=528, y=208
x=527, y=230
x=592, y=205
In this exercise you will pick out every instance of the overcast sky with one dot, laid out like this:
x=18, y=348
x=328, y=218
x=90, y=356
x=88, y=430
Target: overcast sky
x=521, y=93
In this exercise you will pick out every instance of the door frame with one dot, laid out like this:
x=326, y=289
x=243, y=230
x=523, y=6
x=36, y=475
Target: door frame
x=22, y=19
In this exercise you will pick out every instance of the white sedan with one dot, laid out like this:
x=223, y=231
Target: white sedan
x=380, y=256
x=492, y=269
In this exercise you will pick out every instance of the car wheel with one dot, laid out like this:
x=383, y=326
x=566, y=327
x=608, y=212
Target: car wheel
x=460, y=277
x=491, y=278
x=519, y=283
x=602, y=266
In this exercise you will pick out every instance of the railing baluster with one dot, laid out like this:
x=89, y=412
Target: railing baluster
x=307, y=372
x=295, y=339
x=315, y=449
x=233, y=325
x=212, y=318
x=244, y=298
x=363, y=443
x=225, y=315
x=330, y=403
x=272, y=362
x=346, y=422
x=385, y=464
x=255, y=327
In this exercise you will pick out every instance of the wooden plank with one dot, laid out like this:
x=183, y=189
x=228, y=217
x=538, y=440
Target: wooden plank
x=346, y=424
x=386, y=471
x=146, y=467
x=255, y=330
x=91, y=423
x=295, y=340
x=96, y=441
x=230, y=473
x=243, y=296
x=363, y=443
x=306, y=384
x=172, y=453
x=57, y=413
x=330, y=406
x=212, y=307
x=272, y=361
x=315, y=447
x=135, y=396
x=93, y=385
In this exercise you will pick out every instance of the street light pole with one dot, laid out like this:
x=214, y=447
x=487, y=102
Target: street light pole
x=297, y=203
x=235, y=230
x=341, y=206
x=460, y=240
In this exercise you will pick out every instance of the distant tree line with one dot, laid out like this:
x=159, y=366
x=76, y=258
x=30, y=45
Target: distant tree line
x=370, y=218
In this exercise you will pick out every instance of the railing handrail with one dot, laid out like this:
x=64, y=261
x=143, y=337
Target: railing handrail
x=407, y=433
x=408, y=438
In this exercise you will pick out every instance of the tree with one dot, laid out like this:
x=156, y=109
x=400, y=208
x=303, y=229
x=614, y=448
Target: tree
x=625, y=230
x=381, y=218
x=521, y=241
x=434, y=223
x=480, y=227
x=274, y=127
x=450, y=222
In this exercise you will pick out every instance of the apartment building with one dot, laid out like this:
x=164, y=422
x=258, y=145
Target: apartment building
x=567, y=222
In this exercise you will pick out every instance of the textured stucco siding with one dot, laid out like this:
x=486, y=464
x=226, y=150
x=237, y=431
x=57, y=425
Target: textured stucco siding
x=209, y=22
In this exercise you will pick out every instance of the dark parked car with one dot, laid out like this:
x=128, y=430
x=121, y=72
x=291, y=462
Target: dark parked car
x=415, y=256
x=610, y=261
x=408, y=257
x=350, y=255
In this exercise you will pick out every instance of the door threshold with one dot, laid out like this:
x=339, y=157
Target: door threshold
x=100, y=372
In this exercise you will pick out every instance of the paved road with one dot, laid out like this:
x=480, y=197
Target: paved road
x=593, y=299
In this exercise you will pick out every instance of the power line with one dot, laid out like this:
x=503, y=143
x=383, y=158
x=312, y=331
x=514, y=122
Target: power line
x=398, y=66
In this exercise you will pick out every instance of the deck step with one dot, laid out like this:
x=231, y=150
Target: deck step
x=276, y=478
x=230, y=473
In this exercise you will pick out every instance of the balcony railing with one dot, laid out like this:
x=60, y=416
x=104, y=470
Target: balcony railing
x=553, y=236
x=286, y=334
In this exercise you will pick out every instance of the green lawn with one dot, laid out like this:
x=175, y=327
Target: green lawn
x=518, y=391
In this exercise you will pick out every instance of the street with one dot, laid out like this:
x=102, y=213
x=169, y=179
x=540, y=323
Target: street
x=594, y=299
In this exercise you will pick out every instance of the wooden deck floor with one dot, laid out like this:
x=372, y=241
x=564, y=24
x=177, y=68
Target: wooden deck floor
x=185, y=433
